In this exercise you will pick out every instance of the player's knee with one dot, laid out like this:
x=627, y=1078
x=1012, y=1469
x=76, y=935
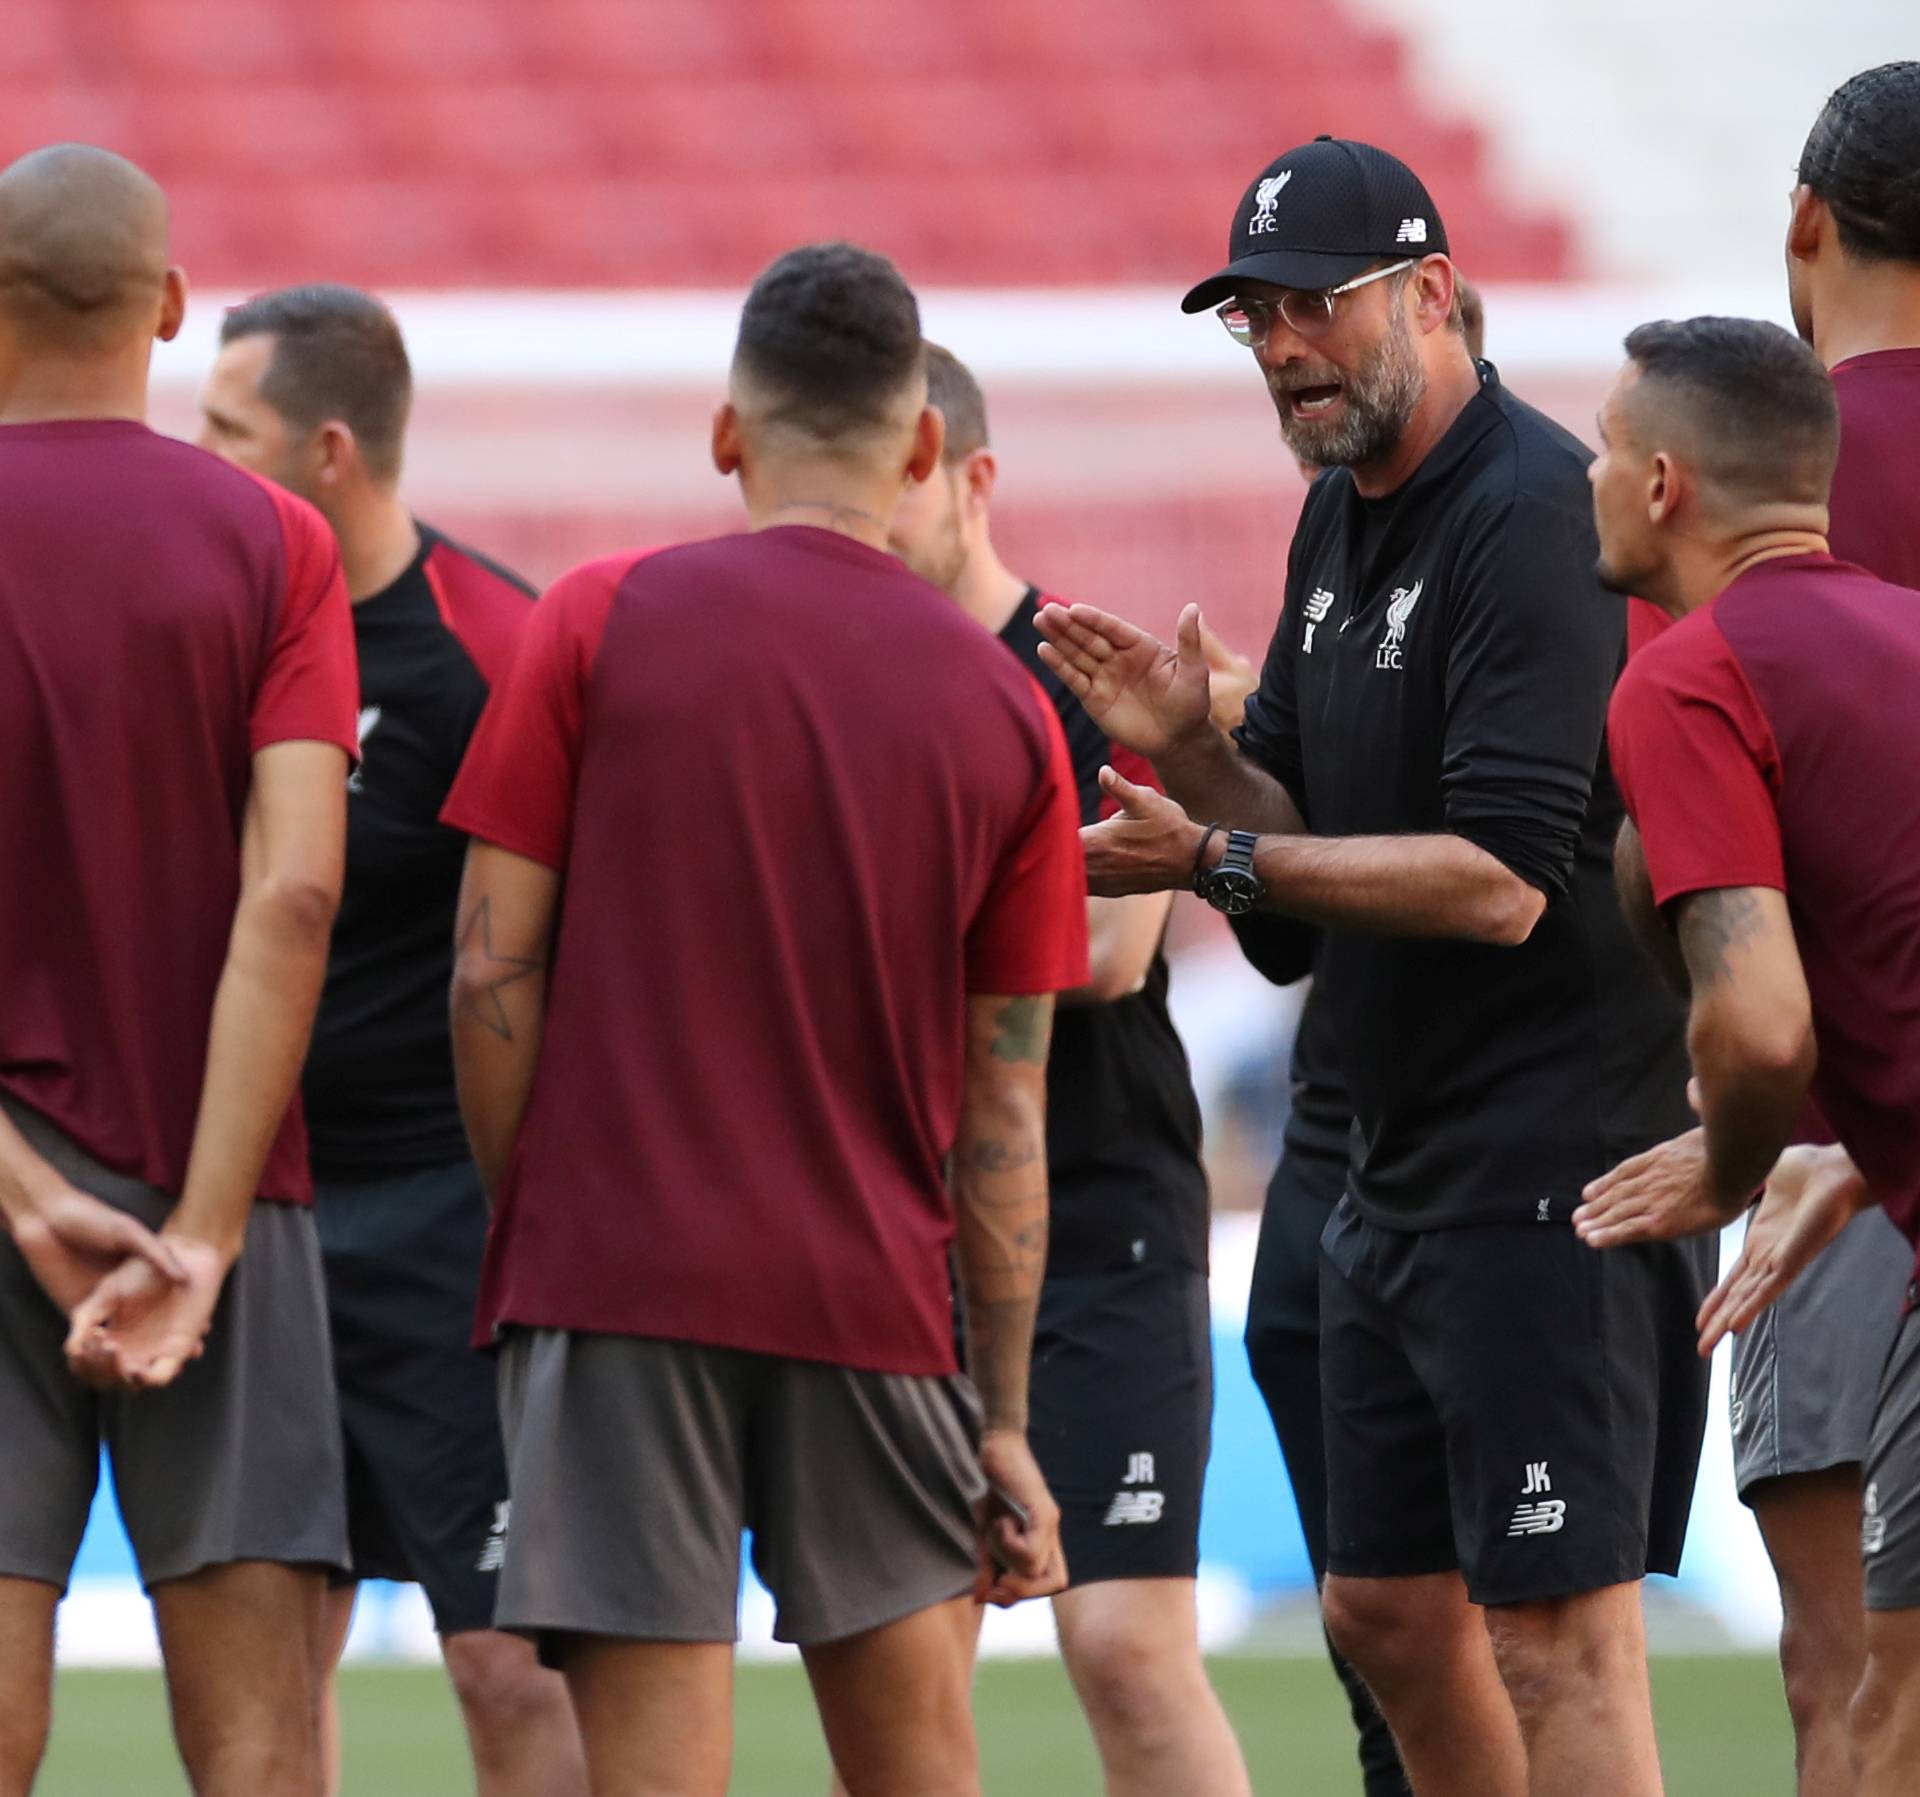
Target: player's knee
x=1132, y=1680
x=1555, y=1651
x=235, y=1761
x=498, y=1678
x=1820, y=1668
x=1377, y=1629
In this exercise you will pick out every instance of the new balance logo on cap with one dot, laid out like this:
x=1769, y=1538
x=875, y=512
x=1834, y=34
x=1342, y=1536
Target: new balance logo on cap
x=1263, y=198
x=1412, y=230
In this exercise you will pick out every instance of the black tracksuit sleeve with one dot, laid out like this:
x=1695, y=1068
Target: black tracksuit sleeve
x=1532, y=653
x=1280, y=949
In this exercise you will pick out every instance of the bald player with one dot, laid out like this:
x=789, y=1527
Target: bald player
x=177, y=697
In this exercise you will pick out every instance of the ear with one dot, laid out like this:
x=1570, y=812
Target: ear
x=1808, y=225
x=980, y=474
x=338, y=454
x=929, y=438
x=1432, y=290
x=726, y=438
x=173, y=304
x=1665, y=484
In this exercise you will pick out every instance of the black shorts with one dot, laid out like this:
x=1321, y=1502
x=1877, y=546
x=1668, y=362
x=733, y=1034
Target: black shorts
x=1505, y=1400
x=419, y=1404
x=1121, y=1418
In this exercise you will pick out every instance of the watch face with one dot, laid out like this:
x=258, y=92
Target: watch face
x=1232, y=890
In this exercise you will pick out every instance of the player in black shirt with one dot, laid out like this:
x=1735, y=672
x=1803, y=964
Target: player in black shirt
x=1122, y=1383
x=1510, y=1418
x=312, y=388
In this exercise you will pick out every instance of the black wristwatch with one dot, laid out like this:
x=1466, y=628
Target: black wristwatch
x=1232, y=887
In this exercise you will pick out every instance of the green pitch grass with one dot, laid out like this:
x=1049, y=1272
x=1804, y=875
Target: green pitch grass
x=1723, y=1730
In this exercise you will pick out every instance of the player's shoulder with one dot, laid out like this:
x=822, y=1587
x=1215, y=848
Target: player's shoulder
x=1675, y=660
x=594, y=582
x=477, y=578
x=249, y=498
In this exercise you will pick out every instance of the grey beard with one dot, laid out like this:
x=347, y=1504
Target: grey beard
x=1379, y=402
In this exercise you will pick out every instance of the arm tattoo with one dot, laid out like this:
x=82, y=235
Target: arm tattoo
x=1022, y=1030
x=1711, y=924
x=479, y=992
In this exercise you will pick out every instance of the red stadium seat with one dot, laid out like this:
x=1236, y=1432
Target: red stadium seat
x=686, y=141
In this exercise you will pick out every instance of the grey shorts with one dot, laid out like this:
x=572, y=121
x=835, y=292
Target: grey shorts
x=1806, y=1375
x=1890, y=1514
x=636, y=1464
x=238, y=1459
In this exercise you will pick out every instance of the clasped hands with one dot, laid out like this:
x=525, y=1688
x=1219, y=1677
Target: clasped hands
x=138, y=1303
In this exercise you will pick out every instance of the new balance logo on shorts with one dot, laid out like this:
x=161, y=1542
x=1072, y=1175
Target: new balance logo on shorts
x=1547, y=1516
x=1873, y=1526
x=493, y=1552
x=1131, y=1505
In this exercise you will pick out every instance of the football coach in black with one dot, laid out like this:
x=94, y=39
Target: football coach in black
x=1513, y=1421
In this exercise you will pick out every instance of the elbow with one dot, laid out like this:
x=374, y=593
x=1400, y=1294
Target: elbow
x=1509, y=912
x=298, y=909
x=1772, y=1051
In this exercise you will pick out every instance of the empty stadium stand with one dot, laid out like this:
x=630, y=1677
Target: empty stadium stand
x=434, y=143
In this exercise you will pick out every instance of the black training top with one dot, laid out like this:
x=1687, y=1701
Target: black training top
x=378, y=1087
x=1320, y=1115
x=1442, y=665
x=1123, y=1126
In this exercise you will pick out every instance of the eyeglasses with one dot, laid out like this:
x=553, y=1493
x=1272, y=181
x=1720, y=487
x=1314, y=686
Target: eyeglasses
x=1306, y=314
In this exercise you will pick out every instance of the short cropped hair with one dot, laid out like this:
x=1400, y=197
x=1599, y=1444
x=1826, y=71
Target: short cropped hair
x=951, y=387
x=830, y=335
x=337, y=354
x=1863, y=158
x=1756, y=403
x=1470, y=316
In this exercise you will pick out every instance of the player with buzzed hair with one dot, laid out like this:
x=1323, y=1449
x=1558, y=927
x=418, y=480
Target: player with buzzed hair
x=775, y=876
x=1791, y=886
x=1122, y=1390
x=177, y=716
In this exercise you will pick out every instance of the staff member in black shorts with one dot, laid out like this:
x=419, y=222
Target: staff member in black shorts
x=1510, y=1422
x=1121, y=1391
x=312, y=388
x=1283, y=1304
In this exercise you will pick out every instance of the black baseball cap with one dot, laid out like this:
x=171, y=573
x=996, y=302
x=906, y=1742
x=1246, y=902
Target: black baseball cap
x=1320, y=215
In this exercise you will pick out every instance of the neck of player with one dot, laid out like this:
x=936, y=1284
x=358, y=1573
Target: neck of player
x=44, y=387
x=987, y=590
x=378, y=541
x=827, y=495
x=1876, y=307
x=1703, y=567
x=1451, y=384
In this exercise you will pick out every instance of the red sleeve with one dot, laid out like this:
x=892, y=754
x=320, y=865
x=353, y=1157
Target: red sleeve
x=515, y=787
x=1030, y=933
x=483, y=608
x=1697, y=765
x=1128, y=766
x=309, y=690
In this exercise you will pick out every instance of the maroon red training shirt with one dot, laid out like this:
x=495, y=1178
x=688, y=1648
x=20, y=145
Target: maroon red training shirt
x=1771, y=739
x=1876, y=488
x=803, y=806
x=163, y=617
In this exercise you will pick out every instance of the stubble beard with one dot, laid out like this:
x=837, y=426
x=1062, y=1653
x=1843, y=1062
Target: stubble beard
x=1378, y=401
